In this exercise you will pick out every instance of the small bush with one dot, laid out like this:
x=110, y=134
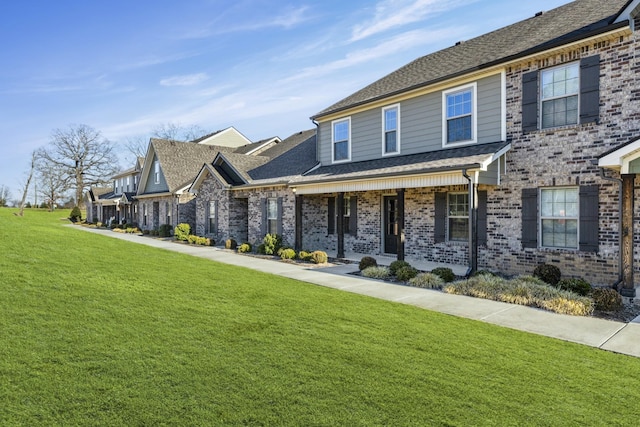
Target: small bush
x=376, y=272
x=577, y=286
x=547, y=273
x=406, y=273
x=146, y=232
x=445, y=273
x=230, y=244
x=319, y=257
x=75, y=215
x=288, y=253
x=396, y=265
x=261, y=249
x=606, y=299
x=118, y=230
x=367, y=261
x=272, y=243
x=193, y=239
x=154, y=232
x=304, y=256
x=165, y=230
x=427, y=280
x=244, y=248
x=483, y=272
x=182, y=231
x=98, y=224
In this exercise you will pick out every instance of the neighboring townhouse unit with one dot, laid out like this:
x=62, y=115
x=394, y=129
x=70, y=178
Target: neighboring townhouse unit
x=244, y=194
x=117, y=203
x=501, y=152
x=229, y=137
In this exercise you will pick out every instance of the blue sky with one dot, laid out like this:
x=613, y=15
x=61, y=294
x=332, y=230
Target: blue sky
x=262, y=66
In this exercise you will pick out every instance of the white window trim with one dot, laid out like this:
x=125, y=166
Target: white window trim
x=541, y=98
x=456, y=216
x=384, y=110
x=576, y=218
x=333, y=151
x=474, y=115
x=156, y=172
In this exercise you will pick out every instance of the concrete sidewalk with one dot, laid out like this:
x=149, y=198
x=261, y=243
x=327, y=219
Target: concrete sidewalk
x=605, y=334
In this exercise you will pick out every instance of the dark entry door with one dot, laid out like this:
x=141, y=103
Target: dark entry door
x=390, y=225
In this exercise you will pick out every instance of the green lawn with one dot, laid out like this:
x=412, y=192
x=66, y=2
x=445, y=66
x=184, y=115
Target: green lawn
x=97, y=331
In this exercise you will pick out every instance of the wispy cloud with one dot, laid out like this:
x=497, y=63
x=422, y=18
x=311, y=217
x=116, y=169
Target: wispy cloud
x=396, y=44
x=185, y=80
x=391, y=14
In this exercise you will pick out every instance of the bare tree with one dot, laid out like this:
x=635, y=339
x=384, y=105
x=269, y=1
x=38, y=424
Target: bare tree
x=25, y=190
x=54, y=182
x=83, y=154
x=177, y=132
x=137, y=146
x=5, y=194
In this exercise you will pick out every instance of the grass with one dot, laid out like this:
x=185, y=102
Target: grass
x=97, y=331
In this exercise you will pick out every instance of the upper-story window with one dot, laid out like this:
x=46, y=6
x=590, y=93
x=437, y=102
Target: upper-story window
x=128, y=184
x=115, y=185
x=341, y=139
x=135, y=183
x=156, y=172
x=559, y=95
x=459, y=115
x=391, y=130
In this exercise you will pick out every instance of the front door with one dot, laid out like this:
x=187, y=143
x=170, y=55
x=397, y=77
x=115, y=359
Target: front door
x=390, y=225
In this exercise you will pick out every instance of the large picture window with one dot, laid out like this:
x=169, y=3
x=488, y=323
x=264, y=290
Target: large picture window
x=390, y=131
x=341, y=138
x=559, y=92
x=559, y=217
x=458, y=217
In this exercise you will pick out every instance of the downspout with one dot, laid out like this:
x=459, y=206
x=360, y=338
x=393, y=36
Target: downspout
x=619, y=182
x=472, y=260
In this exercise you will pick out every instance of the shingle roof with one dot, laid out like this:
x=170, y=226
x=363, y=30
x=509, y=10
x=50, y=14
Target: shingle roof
x=181, y=161
x=431, y=162
x=561, y=25
x=244, y=149
x=293, y=156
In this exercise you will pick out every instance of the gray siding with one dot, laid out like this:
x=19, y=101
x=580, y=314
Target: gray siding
x=420, y=124
x=151, y=186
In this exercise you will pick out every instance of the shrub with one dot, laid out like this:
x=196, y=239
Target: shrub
x=483, y=272
x=427, y=280
x=75, y=215
x=244, y=248
x=445, y=273
x=118, y=230
x=230, y=244
x=376, y=272
x=98, y=224
x=165, y=230
x=145, y=232
x=287, y=253
x=272, y=243
x=319, y=257
x=261, y=249
x=304, y=256
x=154, y=232
x=547, y=273
x=132, y=230
x=182, y=231
x=396, y=265
x=193, y=239
x=406, y=273
x=203, y=241
x=367, y=261
x=577, y=286
x=606, y=299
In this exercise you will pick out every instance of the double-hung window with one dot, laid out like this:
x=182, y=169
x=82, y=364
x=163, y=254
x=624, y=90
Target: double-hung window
x=458, y=217
x=128, y=184
x=346, y=214
x=341, y=140
x=391, y=130
x=144, y=214
x=559, y=217
x=559, y=95
x=272, y=215
x=167, y=207
x=459, y=115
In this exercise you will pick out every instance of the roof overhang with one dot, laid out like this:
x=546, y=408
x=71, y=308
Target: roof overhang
x=487, y=170
x=153, y=195
x=620, y=158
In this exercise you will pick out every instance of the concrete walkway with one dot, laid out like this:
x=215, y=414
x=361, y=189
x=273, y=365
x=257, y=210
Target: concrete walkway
x=605, y=334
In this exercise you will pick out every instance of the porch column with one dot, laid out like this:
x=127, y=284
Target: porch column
x=340, y=224
x=626, y=251
x=473, y=227
x=400, y=213
x=298, y=238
